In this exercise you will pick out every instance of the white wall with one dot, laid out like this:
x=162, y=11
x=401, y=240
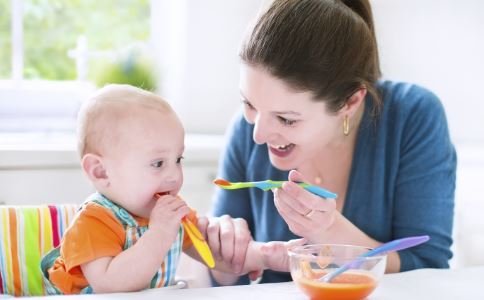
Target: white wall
x=197, y=44
x=439, y=44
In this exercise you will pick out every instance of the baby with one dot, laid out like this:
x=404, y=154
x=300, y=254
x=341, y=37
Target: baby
x=126, y=237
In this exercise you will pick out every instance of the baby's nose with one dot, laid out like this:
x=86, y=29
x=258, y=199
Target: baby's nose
x=173, y=177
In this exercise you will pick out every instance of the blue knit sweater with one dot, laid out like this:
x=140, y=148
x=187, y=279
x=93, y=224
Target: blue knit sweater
x=401, y=183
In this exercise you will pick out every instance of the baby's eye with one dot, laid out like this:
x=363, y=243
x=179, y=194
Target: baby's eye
x=179, y=159
x=286, y=122
x=157, y=164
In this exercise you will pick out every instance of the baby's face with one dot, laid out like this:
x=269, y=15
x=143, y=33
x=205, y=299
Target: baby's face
x=145, y=159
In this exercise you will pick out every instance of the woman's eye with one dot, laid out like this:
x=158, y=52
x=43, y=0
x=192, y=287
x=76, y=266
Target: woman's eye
x=179, y=159
x=248, y=105
x=157, y=164
x=286, y=122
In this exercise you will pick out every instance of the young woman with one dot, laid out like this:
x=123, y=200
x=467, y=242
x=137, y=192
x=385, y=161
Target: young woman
x=316, y=110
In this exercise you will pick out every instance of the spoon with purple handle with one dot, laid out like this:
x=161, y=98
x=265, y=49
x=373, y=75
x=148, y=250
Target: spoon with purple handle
x=394, y=245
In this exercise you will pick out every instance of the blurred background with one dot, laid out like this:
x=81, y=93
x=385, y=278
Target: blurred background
x=53, y=53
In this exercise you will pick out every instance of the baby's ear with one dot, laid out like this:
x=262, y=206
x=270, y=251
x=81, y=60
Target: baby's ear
x=93, y=167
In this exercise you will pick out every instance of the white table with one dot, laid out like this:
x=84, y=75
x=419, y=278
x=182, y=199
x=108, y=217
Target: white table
x=420, y=284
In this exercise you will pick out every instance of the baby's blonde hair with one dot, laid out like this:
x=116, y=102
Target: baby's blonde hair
x=111, y=104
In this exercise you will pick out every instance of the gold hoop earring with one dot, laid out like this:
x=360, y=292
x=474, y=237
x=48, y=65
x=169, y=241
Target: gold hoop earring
x=346, y=126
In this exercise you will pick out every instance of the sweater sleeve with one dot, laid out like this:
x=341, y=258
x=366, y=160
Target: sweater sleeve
x=425, y=184
x=232, y=167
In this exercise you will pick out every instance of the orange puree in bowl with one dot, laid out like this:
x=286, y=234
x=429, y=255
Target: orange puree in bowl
x=347, y=286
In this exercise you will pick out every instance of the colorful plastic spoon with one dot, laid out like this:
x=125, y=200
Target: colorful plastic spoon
x=394, y=245
x=198, y=242
x=270, y=184
x=197, y=239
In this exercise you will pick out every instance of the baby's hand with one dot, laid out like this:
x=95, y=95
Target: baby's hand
x=167, y=214
x=274, y=254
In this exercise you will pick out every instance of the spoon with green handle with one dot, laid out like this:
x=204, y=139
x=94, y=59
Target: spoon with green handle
x=270, y=184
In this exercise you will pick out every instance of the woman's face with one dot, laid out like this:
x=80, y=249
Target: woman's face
x=295, y=128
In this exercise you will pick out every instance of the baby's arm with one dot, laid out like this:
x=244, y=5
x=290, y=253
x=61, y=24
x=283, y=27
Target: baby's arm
x=133, y=269
x=270, y=255
x=259, y=256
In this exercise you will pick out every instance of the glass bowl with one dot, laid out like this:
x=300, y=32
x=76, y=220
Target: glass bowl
x=311, y=262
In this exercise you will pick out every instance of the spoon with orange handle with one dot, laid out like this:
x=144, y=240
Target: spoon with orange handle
x=270, y=184
x=198, y=240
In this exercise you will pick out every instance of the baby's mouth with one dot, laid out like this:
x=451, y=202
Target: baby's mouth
x=159, y=195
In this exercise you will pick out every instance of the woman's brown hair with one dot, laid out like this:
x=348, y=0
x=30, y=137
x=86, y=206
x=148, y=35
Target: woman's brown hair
x=327, y=47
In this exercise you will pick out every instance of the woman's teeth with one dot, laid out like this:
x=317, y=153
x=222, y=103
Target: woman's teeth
x=283, y=147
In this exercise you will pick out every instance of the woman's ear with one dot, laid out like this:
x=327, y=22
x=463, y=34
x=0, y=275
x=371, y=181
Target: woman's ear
x=354, y=102
x=94, y=168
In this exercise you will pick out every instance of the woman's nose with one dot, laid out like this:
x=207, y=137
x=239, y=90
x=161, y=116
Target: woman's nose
x=262, y=130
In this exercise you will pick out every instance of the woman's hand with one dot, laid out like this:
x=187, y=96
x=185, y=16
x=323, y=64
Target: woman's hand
x=306, y=214
x=228, y=239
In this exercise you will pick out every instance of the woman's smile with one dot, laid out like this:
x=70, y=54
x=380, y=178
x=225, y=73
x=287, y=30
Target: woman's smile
x=281, y=150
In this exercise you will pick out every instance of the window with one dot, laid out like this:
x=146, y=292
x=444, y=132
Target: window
x=52, y=49
x=5, y=40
